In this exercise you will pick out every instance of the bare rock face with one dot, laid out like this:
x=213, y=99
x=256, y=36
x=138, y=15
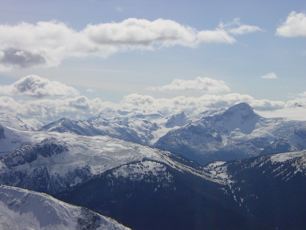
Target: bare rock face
x=2, y=136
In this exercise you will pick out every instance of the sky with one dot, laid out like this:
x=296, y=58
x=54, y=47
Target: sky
x=112, y=49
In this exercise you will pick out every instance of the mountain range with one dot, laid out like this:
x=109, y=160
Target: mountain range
x=234, y=133
x=228, y=169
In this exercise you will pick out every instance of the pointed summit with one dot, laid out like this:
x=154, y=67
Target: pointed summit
x=179, y=119
x=238, y=117
x=243, y=109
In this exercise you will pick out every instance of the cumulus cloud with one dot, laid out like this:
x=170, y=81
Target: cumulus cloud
x=204, y=84
x=270, y=76
x=136, y=33
x=294, y=26
x=41, y=100
x=48, y=43
x=36, y=86
x=20, y=58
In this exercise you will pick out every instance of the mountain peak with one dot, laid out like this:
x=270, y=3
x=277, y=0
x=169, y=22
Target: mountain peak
x=241, y=106
x=61, y=123
x=238, y=117
x=179, y=119
x=244, y=109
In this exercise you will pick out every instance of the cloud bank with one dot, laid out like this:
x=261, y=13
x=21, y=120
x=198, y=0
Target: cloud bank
x=47, y=43
x=41, y=100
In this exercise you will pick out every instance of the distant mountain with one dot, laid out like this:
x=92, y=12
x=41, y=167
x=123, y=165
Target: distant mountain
x=138, y=128
x=24, y=209
x=10, y=139
x=179, y=119
x=235, y=133
x=12, y=121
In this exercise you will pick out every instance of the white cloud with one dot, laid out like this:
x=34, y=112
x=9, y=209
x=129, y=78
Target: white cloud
x=36, y=86
x=270, y=76
x=41, y=100
x=49, y=109
x=294, y=109
x=294, y=26
x=47, y=43
x=215, y=36
x=9, y=105
x=43, y=43
x=244, y=29
x=237, y=28
x=144, y=33
x=204, y=84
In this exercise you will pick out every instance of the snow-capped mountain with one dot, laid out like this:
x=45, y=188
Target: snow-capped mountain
x=235, y=133
x=54, y=162
x=12, y=121
x=179, y=119
x=132, y=183
x=270, y=188
x=134, y=127
x=60, y=163
x=10, y=139
x=23, y=209
x=265, y=192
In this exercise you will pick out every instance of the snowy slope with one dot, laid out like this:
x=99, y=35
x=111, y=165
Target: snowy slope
x=270, y=188
x=235, y=133
x=283, y=166
x=23, y=209
x=53, y=162
x=132, y=182
x=11, y=138
x=264, y=192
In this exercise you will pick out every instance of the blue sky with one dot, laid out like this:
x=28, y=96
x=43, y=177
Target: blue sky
x=240, y=65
